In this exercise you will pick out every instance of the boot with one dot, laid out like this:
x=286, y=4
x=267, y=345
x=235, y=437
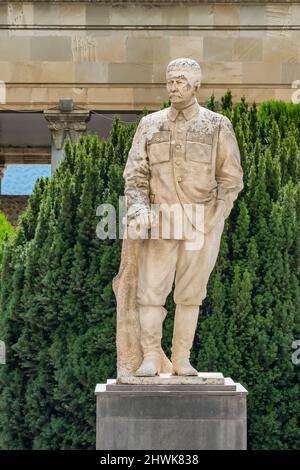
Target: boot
x=186, y=317
x=151, y=320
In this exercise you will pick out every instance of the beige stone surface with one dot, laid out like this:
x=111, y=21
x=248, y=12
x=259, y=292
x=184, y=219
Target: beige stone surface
x=184, y=45
x=285, y=94
x=129, y=73
x=201, y=14
x=203, y=378
x=72, y=14
x=261, y=72
x=3, y=14
x=158, y=73
x=55, y=93
x=295, y=13
x=110, y=49
x=5, y=71
x=178, y=14
x=278, y=14
x=38, y=94
x=114, y=95
x=279, y=18
x=89, y=72
x=16, y=48
x=226, y=14
x=45, y=49
x=251, y=44
x=220, y=72
x=98, y=14
x=216, y=49
x=84, y=48
x=123, y=97
x=45, y=72
x=290, y=72
x=252, y=14
x=135, y=15
x=20, y=13
x=19, y=95
x=47, y=13
x=145, y=97
x=281, y=50
x=247, y=49
x=147, y=50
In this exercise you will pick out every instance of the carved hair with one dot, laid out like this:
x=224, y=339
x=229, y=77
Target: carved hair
x=190, y=68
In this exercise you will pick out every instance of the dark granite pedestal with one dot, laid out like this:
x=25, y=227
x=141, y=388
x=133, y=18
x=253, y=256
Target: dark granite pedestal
x=171, y=416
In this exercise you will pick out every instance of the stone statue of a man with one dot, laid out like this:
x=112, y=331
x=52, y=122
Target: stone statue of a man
x=184, y=155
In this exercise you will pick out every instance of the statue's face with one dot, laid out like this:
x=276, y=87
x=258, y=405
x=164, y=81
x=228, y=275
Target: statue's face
x=178, y=87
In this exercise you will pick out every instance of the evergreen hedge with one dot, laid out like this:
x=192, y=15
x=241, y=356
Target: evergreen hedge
x=58, y=310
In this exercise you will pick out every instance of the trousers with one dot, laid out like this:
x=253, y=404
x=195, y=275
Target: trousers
x=163, y=261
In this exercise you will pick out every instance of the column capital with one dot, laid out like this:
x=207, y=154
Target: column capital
x=75, y=122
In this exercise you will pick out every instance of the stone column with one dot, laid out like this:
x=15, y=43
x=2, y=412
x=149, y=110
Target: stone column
x=64, y=124
x=2, y=170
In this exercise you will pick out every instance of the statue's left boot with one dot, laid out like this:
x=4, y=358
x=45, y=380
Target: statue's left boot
x=185, y=323
x=151, y=321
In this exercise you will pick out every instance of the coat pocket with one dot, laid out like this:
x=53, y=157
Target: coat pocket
x=198, y=147
x=158, y=147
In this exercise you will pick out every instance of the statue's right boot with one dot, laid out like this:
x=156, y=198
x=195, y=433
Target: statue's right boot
x=151, y=321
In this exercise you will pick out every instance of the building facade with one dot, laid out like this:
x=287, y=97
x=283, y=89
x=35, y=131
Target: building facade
x=110, y=57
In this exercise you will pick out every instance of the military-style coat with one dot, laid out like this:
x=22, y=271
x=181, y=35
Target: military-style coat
x=184, y=157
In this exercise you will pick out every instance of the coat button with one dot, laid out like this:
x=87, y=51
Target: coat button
x=179, y=179
x=178, y=162
x=178, y=147
x=180, y=117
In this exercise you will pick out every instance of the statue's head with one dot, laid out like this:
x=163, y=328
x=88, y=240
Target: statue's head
x=183, y=79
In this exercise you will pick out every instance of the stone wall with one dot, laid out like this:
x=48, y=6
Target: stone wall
x=13, y=206
x=112, y=55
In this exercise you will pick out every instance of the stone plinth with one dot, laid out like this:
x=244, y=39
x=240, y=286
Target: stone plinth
x=176, y=416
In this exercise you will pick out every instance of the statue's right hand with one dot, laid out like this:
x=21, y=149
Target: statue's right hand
x=140, y=225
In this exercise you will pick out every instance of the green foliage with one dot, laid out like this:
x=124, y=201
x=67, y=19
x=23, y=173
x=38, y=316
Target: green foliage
x=5, y=227
x=58, y=311
x=6, y=232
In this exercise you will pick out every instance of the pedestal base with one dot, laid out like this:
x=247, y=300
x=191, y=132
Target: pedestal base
x=171, y=416
x=207, y=378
